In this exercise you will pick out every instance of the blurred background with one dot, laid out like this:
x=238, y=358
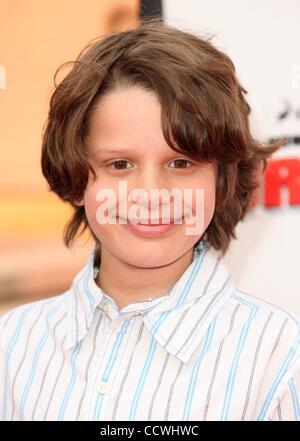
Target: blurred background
x=36, y=36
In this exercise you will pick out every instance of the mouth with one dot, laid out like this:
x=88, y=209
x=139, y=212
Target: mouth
x=147, y=227
x=152, y=222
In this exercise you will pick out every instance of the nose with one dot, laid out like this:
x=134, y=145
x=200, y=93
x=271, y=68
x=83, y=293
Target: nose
x=149, y=179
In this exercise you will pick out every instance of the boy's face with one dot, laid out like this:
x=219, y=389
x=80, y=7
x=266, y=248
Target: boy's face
x=128, y=122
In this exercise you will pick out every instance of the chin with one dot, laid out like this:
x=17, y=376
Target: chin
x=149, y=263
x=142, y=259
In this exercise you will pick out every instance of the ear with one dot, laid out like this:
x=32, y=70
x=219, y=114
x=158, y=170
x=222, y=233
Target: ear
x=79, y=203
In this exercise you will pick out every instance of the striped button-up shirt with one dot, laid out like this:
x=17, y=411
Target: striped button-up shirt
x=203, y=351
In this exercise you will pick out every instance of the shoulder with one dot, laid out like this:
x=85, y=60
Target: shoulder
x=268, y=328
x=272, y=336
x=16, y=323
x=262, y=309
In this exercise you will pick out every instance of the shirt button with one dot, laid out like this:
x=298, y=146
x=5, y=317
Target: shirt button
x=106, y=308
x=103, y=387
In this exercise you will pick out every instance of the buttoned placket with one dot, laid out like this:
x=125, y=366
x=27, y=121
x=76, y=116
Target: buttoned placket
x=107, y=371
x=106, y=375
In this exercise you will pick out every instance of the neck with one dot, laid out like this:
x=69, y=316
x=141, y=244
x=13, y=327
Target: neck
x=129, y=284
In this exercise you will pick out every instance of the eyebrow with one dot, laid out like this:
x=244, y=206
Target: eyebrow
x=114, y=151
x=130, y=151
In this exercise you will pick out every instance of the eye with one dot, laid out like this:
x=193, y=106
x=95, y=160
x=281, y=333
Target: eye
x=121, y=164
x=180, y=163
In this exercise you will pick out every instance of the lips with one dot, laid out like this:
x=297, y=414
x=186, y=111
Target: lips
x=151, y=222
x=154, y=222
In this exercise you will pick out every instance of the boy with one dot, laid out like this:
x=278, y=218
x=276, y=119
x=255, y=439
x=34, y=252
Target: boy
x=152, y=327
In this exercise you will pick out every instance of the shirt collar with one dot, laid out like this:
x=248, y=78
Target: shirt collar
x=180, y=320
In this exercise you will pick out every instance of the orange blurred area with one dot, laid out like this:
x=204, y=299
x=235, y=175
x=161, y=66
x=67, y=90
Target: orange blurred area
x=34, y=263
x=31, y=215
x=35, y=38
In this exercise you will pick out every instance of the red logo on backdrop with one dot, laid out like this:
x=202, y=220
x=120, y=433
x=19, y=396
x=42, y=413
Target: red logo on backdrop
x=278, y=174
x=282, y=173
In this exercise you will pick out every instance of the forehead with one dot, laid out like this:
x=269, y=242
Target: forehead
x=133, y=108
x=127, y=118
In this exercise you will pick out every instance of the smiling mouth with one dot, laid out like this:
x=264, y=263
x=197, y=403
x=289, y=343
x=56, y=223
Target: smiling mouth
x=152, y=222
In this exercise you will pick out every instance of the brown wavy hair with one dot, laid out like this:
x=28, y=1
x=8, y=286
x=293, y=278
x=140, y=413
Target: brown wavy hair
x=204, y=115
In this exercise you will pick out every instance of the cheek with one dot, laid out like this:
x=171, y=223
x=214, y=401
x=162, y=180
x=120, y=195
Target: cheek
x=209, y=204
x=205, y=206
x=91, y=204
x=94, y=207
x=209, y=196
